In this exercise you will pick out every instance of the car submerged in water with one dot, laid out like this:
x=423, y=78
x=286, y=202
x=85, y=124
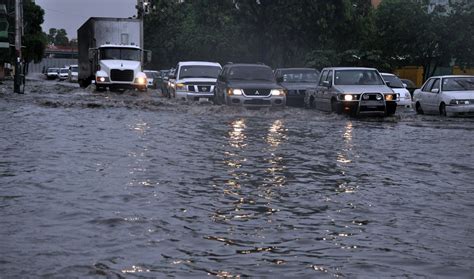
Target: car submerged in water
x=446, y=95
x=249, y=85
x=355, y=91
x=296, y=81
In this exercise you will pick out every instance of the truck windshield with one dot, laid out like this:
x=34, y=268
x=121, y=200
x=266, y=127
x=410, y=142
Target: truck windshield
x=114, y=53
x=199, y=71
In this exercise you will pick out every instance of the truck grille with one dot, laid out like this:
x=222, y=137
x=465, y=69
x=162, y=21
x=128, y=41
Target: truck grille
x=200, y=88
x=257, y=92
x=121, y=75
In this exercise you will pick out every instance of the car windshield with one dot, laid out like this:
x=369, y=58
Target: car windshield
x=251, y=73
x=114, y=53
x=150, y=74
x=458, y=84
x=357, y=77
x=308, y=75
x=395, y=82
x=199, y=71
x=64, y=71
x=73, y=69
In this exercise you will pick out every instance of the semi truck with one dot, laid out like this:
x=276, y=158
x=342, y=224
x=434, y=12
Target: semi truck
x=110, y=54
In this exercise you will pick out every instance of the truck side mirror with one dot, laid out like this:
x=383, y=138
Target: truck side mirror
x=92, y=52
x=326, y=83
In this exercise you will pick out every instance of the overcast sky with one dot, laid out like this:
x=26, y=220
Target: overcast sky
x=71, y=14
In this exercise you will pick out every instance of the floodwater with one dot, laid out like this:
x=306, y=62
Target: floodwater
x=120, y=185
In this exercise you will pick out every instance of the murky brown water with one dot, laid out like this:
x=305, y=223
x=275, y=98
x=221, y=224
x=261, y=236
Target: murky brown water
x=125, y=185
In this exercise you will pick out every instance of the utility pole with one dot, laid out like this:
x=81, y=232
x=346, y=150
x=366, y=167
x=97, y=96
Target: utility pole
x=19, y=75
x=143, y=8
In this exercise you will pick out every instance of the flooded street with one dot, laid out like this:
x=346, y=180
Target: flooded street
x=134, y=185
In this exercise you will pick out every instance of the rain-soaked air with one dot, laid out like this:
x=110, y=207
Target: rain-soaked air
x=132, y=184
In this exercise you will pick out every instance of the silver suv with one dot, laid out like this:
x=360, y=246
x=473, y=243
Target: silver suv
x=356, y=91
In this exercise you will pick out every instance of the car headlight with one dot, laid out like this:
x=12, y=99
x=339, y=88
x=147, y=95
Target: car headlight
x=277, y=92
x=348, y=98
x=180, y=86
x=234, y=91
x=461, y=102
x=390, y=97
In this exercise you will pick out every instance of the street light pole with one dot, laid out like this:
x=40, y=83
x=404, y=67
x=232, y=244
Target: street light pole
x=18, y=79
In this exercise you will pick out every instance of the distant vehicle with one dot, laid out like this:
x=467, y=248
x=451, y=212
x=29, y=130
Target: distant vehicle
x=162, y=82
x=251, y=85
x=409, y=85
x=355, y=91
x=296, y=81
x=446, y=95
x=194, y=80
x=170, y=82
x=398, y=87
x=150, y=77
x=72, y=73
x=110, y=55
x=52, y=73
x=63, y=73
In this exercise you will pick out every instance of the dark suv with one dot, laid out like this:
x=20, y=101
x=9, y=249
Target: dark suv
x=248, y=85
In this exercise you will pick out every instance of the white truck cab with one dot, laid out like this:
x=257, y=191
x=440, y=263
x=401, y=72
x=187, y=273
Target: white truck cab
x=119, y=66
x=194, y=80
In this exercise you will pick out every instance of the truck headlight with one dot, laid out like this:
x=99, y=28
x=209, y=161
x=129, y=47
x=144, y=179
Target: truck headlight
x=389, y=97
x=348, y=98
x=102, y=79
x=237, y=92
x=141, y=80
x=277, y=92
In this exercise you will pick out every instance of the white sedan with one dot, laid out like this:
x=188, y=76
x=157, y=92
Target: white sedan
x=398, y=87
x=446, y=95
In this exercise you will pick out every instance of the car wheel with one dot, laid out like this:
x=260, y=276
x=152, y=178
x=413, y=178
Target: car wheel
x=442, y=109
x=418, y=109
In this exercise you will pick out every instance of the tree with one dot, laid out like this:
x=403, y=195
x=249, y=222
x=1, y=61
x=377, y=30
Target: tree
x=58, y=37
x=33, y=39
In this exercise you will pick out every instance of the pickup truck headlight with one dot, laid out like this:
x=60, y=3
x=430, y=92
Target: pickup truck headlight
x=236, y=92
x=350, y=97
x=180, y=86
x=390, y=97
x=277, y=92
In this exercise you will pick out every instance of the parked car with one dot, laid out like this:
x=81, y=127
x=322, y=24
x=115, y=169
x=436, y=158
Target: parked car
x=73, y=73
x=52, y=73
x=194, y=80
x=409, y=85
x=446, y=95
x=150, y=77
x=248, y=85
x=404, y=96
x=63, y=73
x=356, y=91
x=296, y=81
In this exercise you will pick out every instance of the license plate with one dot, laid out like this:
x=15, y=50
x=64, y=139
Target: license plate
x=203, y=99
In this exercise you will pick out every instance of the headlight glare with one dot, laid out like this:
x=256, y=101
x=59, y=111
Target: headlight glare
x=389, y=97
x=277, y=92
x=180, y=86
x=348, y=98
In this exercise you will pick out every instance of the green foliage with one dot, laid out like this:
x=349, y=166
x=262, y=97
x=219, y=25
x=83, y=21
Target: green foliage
x=316, y=33
x=58, y=37
x=33, y=39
